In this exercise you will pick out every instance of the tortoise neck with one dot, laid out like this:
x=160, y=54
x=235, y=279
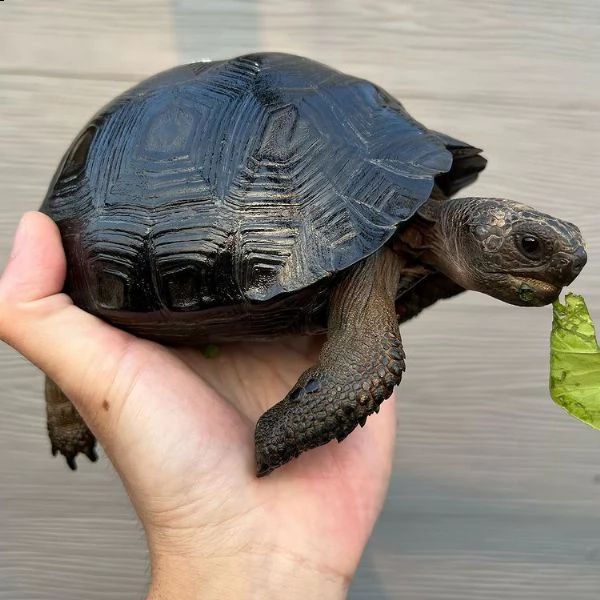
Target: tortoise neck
x=434, y=236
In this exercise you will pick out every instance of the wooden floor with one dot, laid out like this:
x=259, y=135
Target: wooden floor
x=496, y=492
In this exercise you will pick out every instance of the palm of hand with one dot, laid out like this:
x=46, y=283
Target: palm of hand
x=201, y=460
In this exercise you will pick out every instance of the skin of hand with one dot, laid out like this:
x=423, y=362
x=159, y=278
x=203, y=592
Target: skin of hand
x=178, y=427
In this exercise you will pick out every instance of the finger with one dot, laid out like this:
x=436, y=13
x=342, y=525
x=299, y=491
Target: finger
x=36, y=268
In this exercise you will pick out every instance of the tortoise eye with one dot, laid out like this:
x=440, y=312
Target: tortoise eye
x=530, y=246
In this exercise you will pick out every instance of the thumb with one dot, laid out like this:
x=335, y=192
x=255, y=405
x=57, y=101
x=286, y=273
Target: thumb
x=37, y=266
x=72, y=347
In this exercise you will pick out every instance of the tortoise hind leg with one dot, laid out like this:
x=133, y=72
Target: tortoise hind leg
x=358, y=367
x=68, y=432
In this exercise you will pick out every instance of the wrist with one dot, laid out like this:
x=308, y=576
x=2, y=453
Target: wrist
x=245, y=576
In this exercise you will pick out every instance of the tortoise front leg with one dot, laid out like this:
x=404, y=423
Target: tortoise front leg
x=68, y=432
x=358, y=367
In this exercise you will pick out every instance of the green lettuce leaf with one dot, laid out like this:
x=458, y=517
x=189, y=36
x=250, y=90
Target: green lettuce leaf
x=575, y=361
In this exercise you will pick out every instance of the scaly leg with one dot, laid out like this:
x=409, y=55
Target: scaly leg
x=68, y=432
x=358, y=367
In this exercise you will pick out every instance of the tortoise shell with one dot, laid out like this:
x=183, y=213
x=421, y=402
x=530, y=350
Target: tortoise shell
x=218, y=190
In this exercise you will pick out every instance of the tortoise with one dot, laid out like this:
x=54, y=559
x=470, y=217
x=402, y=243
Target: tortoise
x=269, y=195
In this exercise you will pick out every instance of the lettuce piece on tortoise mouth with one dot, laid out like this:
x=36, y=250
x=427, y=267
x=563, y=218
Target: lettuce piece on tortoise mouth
x=575, y=361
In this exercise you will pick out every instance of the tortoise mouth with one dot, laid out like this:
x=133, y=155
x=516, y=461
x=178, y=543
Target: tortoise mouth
x=535, y=292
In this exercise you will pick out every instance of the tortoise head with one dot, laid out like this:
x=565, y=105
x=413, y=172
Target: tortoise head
x=506, y=250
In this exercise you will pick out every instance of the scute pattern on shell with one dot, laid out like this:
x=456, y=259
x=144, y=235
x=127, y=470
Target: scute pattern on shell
x=215, y=184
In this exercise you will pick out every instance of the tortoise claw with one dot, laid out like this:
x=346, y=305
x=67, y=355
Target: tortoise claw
x=87, y=447
x=91, y=453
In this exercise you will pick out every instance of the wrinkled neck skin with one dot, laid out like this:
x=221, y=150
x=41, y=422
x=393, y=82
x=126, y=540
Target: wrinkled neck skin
x=433, y=241
x=441, y=222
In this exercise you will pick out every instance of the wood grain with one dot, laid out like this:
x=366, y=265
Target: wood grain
x=496, y=491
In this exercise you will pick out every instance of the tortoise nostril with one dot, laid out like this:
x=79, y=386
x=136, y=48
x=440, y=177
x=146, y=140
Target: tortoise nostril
x=579, y=260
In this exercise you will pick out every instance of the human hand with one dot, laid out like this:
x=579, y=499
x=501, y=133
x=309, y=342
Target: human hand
x=178, y=428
